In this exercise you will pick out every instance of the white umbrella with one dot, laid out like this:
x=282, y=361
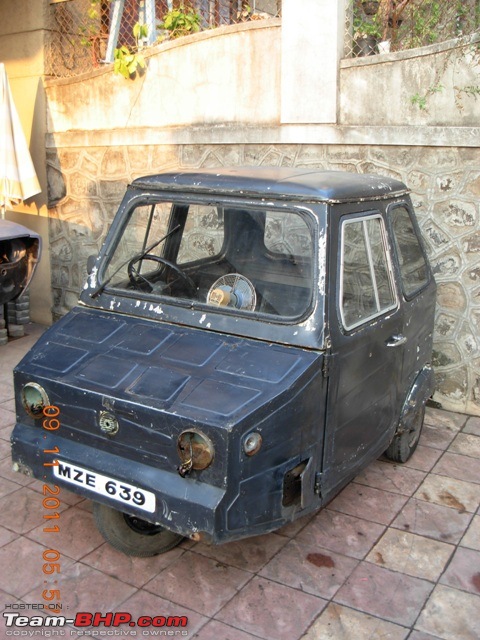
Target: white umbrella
x=18, y=180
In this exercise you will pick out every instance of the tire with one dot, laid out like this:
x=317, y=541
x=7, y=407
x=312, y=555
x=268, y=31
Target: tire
x=404, y=444
x=131, y=535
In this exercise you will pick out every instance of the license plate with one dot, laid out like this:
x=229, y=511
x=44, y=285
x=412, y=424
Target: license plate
x=102, y=485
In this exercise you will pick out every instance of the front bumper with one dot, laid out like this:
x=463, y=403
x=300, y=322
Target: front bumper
x=182, y=505
x=185, y=506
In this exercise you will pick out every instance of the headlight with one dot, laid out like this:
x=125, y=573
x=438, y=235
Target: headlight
x=34, y=399
x=195, y=450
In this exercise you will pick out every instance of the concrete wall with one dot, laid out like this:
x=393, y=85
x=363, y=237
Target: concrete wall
x=214, y=99
x=439, y=73
x=22, y=30
x=230, y=74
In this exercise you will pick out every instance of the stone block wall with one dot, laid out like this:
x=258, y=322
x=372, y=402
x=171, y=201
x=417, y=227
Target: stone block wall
x=87, y=183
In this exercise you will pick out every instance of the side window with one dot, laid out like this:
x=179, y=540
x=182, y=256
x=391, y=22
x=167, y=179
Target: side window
x=413, y=267
x=366, y=288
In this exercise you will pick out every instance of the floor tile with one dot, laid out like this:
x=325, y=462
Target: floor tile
x=7, y=418
x=9, y=402
x=21, y=561
x=6, y=536
x=411, y=554
x=460, y=467
x=466, y=444
x=310, y=568
x=342, y=623
x=6, y=394
x=78, y=534
x=6, y=488
x=451, y=614
x=424, y=458
x=341, y=533
x=369, y=503
x=457, y=494
x=85, y=589
x=198, y=583
x=5, y=449
x=442, y=418
x=135, y=571
x=472, y=426
x=5, y=599
x=420, y=635
x=437, y=436
x=7, y=472
x=471, y=538
x=250, y=554
x=23, y=510
x=143, y=603
x=6, y=432
x=271, y=611
x=291, y=529
x=433, y=521
x=463, y=572
x=391, y=477
x=215, y=630
x=387, y=594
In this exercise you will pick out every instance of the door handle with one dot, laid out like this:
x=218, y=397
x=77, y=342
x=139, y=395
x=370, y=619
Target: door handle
x=396, y=340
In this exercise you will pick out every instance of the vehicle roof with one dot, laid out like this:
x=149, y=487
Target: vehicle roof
x=276, y=182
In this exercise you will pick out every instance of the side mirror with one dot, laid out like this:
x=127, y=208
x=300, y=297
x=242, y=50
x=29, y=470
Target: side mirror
x=91, y=263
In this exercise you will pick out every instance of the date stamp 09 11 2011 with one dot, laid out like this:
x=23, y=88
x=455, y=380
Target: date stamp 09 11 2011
x=51, y=503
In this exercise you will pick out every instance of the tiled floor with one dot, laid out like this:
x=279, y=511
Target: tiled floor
x=396, y=555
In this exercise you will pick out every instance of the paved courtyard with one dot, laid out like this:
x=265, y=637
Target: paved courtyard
x=396, y=555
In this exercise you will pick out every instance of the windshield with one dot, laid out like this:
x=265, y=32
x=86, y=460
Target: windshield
x=238, y=260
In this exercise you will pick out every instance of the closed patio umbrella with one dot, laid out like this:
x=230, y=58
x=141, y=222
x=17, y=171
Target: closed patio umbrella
x=18, y=180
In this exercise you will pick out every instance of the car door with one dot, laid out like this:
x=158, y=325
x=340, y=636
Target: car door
x=365, y=324
x=417, y=290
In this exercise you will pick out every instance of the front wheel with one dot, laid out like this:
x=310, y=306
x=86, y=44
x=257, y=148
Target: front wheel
x=132, y=535
x=404, y=444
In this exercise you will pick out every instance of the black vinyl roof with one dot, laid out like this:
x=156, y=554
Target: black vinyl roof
x=276, y=183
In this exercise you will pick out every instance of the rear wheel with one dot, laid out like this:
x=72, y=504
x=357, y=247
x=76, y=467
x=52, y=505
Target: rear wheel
x=404, y=444
x=132, y=535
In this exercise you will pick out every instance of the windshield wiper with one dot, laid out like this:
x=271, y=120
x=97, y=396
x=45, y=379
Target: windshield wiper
x=136, y=258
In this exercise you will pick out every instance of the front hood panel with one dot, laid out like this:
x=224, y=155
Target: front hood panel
x=205, y=377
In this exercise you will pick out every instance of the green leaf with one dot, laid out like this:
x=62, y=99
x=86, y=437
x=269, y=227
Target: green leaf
x=136, y=30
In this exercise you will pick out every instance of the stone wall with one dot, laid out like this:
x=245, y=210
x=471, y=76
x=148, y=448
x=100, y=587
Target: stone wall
x=87, y=184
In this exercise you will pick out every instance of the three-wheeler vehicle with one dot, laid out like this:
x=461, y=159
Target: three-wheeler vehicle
x=247, y=340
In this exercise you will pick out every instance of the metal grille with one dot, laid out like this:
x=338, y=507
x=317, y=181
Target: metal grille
x=82, y=33
x=395, y=25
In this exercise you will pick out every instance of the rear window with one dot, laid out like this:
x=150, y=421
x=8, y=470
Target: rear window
x=410, y=256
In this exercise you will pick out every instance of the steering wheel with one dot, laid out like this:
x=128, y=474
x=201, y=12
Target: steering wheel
x=134, y=275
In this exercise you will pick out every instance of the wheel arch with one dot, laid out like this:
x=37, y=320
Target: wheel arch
x=420, y=391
